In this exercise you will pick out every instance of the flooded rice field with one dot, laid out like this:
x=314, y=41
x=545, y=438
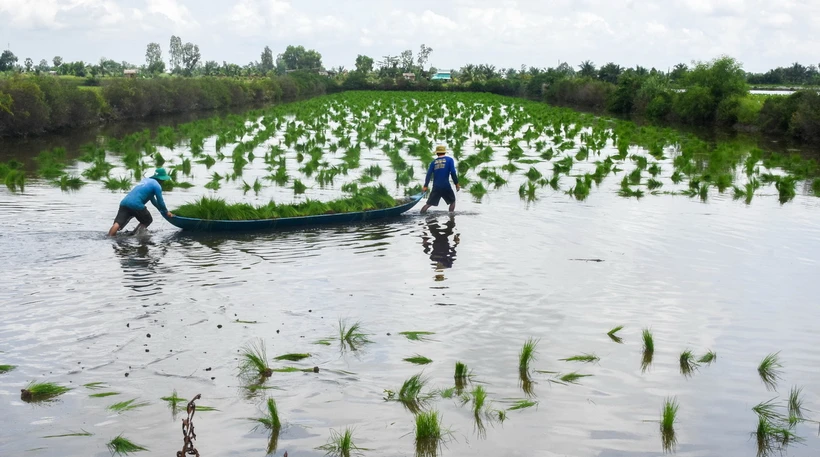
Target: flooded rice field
x=705, y=248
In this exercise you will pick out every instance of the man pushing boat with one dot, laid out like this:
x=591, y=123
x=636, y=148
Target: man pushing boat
x=441, y=169
x=133, y=205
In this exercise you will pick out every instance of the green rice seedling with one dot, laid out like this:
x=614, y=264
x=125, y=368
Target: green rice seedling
x=95, y=385
x=648, y=340
x=70, y=434
x=68, y=182
x=271, y=418
x=254, y=360
x=687, y=363
x=341, y=444
x=43, y=391
x=127, y=405
x=708, y=358
x=771, y=437
x=612, y=334
x=123, y=446
x=478, y=191
x=522, y=404
x=796, y=403
x=815, y=186
x=585, y=358
x=654, y=170
x=411, y=394
x=174, y=401
x=418, y=360
x=533, y=174
x=429, y=433
x=572, y=378
x=15, y=180
x=447, y=393
x=479, y=396
x=669, y=413
x=417, y=336
x=635, y=177
x=6, y=368
x=295, y=370
x=121, y=183
x=526, y=357
x=103, y=394
x=352, y=334
x=298, y=187
x=292, y=357
x=99, y=169
x=676, y=177
x=770, y=370
x=768, y=410
x=322, y=342
x=653, y=184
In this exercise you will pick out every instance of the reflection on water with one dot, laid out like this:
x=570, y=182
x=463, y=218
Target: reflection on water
x=140, y=259
x=436, y=242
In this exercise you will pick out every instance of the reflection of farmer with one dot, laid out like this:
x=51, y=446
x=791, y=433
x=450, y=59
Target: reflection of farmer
x=441, y=253
x=441, y=169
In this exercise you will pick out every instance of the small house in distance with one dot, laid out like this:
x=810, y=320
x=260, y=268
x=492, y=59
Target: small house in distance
x=130, y=73
x=409, y=76
x=441, y=76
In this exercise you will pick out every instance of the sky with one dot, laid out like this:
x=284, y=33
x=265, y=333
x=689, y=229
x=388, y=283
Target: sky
x=760, y=34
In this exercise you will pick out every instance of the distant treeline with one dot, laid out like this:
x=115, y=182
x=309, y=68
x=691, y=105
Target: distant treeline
x=32, y=105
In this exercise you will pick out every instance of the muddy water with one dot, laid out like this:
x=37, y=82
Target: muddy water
x=152, y=314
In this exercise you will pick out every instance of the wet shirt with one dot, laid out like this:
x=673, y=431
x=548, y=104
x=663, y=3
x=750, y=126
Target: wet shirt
x=441, y=169
x=147, y=190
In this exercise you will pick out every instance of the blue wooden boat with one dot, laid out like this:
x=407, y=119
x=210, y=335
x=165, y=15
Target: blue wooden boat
x=207, y=225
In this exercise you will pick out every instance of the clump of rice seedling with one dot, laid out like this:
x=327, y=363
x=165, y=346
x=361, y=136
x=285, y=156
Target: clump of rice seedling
x=123, y=446
x=70, y=434
x=174, y=401
x=292, y=357
x=103, y=394
x=341, y=444
x=298, y=187
x=43, y=391
x=687, y=363
x=522, y=404
x=322, y=342
x=121, y=183
x=572, y=378
x=416, y=336
x=352, y=335
x=15, y=179
x=95, y=385
x=271, y=418
x=254, y=360
x=479, y=396
x=796, y=403
x=708, y=358
x=586, y=358
x=68, y=182
x=461, y=376
x=768, y=410
x=771, y=436
x=127, y=405
x=295, y=370
x=447, y=393
x=6, y=368
x=418, y=360
x=429, y=433
x=410, y=394
x=668, y=415
x=526, y=357
x=769, y=370
x=612, y=334
x=648, y=340
x=478, y=191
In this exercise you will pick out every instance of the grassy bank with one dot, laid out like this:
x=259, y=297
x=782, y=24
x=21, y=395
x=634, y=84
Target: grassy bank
x=33, y=105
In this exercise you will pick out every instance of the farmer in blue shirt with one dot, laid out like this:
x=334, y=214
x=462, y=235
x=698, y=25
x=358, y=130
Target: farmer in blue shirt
x=133, y=205
x=441, y=169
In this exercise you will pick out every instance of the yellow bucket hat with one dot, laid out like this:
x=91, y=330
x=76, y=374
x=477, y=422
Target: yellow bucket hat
x=441, y=150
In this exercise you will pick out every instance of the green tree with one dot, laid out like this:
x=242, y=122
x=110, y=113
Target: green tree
x=678, y=72
x=43, y=66
x=587, y=69
x=7, y=60
x=423, y=56
x=153, y=59
x=364, y=64
x=723, y=77
x=29, y=64
x=406, y=61
x=175, y=53
x=57, y=60
x=610, y=73
x=211, y=68
x=267, y=60
x=298, y=58
x=190, y=57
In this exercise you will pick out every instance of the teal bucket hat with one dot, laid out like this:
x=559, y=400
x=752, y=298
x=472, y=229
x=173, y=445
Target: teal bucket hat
x=161, y=174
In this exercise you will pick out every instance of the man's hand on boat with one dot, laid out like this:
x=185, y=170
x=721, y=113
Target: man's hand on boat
x=169, y=214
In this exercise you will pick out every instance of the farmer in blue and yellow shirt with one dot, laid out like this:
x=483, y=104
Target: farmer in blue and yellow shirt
x=441, y=170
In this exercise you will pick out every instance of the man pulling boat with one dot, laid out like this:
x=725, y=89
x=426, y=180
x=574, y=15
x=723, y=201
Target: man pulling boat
x=133, y=205
x=441, y=169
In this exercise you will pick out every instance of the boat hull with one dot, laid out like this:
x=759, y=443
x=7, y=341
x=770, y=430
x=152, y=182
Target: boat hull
x=205, y=225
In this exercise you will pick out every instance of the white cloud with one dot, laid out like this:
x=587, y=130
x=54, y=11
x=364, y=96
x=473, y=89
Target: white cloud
x=173, y=10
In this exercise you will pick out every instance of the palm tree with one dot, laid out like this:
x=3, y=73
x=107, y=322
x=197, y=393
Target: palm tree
x=587, y=69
